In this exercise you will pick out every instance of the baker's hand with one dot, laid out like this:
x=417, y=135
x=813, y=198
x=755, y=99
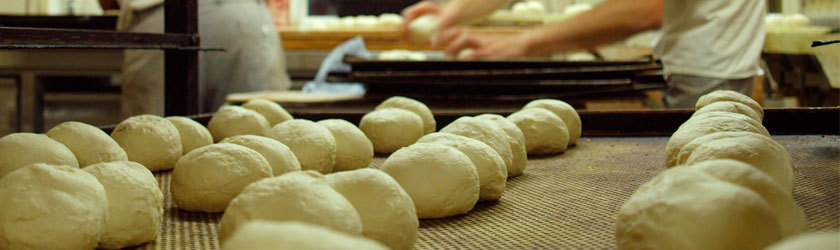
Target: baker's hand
x=494, y=46
x=447, y=27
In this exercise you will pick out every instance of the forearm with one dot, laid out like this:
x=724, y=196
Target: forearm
x=611, y=21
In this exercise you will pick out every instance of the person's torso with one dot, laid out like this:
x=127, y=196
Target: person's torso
x=713, y=38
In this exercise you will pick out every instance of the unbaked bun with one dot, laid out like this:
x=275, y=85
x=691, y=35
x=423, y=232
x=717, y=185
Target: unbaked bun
x=353, y=149
x=272, y=111
x=492, y=173
x=390, y=129
x=566, y=112
x=516, y=140
x=545, y=133
x=279, y=156
x=89, y=144
x=149, y=140
x=269, y=235
x=22, y=149
x=415, y=106
x=234, y=120
x=313, y=144
x=193, y=134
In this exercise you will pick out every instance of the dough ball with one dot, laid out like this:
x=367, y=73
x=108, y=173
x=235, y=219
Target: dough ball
x=729, y=95
x=683, y=209
x=759, y=151
x=566, y=112
x=391, y=129
x=545, y=133
x=206, y=179
x=301, y=196
x=89, y=144
x=21, y=149
x=686, y=150
x=51, y=207
x=390, y=20
x=272, y=111
x=813, y=240
x=313, y=144
x=515, y=139
x=193, y=134
x=576, y=9
x=729, y=106
x=492, y=173
x=441, y=180
x=580, y=56
x=279, y=156
x=386, y=210
x=484, y=131
x=464, y=54
x=705, y=124
x=149, y=140
x=422, y=28
x=417, y=107
x=791, y=218
x=271, y=235
x=528, y=8
x=135, y=203
x=353, y=149
x=233, y=120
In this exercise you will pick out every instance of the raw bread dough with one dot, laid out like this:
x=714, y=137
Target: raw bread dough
x=492, y=173
x=545, y=133
x=301, y=196
x=193, y=134
x=135, y=203
x=278, y=155
x=89, y=144
x=415, y=106
x=272, y=111
x=759, y=151
x=21, y=149
x=401, y=55
x=729, y=95
x=686, y=150
x=441, y=180
x=812, y=241
x=366, y=21
x=422, y=28
x=353, y=149
x=390, y=20
x=484, y=131
x=683, y=209
x=529, y=8
x=792, y=220
x=386, y=210
x=206, y=179
x=464, y=54
x=149, y=140
x=51, y=207
x=566, y=112
x=580, y=56
x=576, y=9
x=313, y=144
x=729, y=106
x=391, y=129
x=272, y=235
x=707, y=123
x=516, y=140
x=235, y=120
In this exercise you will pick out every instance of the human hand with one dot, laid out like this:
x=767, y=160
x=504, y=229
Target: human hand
x=493, y=46
x=412, y=12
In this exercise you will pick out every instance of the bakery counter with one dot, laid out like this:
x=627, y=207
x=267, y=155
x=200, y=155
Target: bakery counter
x=570, y=200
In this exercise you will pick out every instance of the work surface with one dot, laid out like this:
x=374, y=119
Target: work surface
x=565, y=201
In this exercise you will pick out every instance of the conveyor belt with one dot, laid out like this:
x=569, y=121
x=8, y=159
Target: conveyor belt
x=568, y=201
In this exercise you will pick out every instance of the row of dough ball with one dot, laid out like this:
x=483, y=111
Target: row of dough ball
x=385, y=20
x=726, y=174
x=364, y=202
x=108, y=205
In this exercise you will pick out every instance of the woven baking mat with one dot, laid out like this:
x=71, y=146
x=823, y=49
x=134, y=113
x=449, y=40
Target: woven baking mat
x=564, y=201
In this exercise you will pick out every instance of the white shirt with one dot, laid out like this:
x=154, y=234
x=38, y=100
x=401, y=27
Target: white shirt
x=713, y=38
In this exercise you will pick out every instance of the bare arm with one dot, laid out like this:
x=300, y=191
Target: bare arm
x=611, y=21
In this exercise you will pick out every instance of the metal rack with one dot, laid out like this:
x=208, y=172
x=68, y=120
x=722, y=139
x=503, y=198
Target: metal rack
x=180, y=43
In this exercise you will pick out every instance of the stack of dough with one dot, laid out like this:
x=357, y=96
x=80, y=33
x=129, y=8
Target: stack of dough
x=234, y=120
x=22, y=149
x=149, y=140
x=397, y=122
x=207, y=178
x=313, y=144
x=193, y=135
x=550, y=126
x=278, y=155
x=718, y=204
x=386, y=210
x=135, y=203
x=89, y=144
x=46, y=206
x=303, y=196
x=727, y=174
x=260, y=234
